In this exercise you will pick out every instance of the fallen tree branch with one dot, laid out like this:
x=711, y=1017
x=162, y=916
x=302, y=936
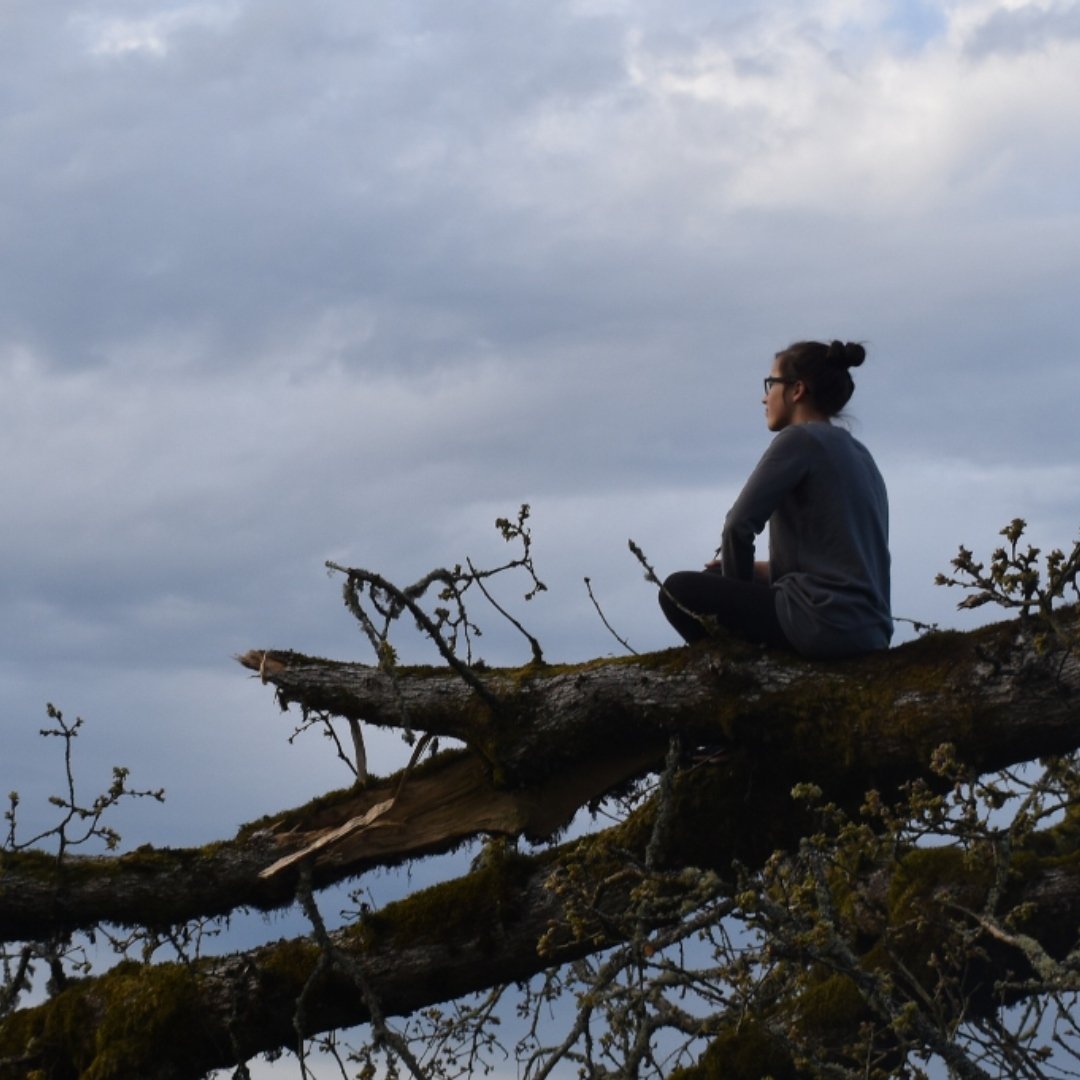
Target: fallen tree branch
x=572, y=735
x=449, y=940
x=988, y=689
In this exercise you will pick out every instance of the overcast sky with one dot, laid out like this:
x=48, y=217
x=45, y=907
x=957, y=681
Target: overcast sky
x=286, y=282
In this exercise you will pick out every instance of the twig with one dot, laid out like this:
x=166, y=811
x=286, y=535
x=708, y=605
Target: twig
x=349, y=967
x=625, y=644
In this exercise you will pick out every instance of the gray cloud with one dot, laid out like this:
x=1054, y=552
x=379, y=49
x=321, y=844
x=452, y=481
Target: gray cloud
x=283, y=283
x=1030, y=28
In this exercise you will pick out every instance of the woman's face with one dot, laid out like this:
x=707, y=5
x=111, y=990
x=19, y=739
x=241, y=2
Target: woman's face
x=777, y=401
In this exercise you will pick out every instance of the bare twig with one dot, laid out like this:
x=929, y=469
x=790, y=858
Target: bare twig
x=622, y=641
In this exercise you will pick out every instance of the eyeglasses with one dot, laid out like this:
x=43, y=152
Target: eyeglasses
x=772, y=380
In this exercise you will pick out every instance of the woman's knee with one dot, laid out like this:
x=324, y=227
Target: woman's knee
x=682, y=584
x=671, y=594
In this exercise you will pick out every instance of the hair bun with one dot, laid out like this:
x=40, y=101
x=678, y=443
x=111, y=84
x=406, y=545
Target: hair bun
x=848, y=355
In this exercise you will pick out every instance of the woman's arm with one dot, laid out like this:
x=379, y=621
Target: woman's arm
x=781, y=467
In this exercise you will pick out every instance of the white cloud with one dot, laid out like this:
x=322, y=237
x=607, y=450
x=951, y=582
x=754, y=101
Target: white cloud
x=153, y=36
x=782, y=117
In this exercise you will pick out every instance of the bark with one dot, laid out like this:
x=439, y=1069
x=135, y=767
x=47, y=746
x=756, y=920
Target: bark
x=988, y=689
x=556, y=739
x=561, y=738
x=177, y=1022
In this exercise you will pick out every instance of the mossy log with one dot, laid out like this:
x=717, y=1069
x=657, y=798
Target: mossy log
x=480, y=930
x=555, y=739
x=560, y=739
x=880, y=713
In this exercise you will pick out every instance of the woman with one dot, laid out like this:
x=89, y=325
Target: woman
x=825, y=589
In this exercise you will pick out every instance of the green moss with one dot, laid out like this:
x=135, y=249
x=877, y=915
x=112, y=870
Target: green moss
x=290, y=964
x=113, y=1027
x=1057, y=845
x=472, y=908
x=147, y=1005
x=832, y=1006
x=835, y=713
x=109, y=1029
x=924, y=874
x=34, y=865
x=744, y=1053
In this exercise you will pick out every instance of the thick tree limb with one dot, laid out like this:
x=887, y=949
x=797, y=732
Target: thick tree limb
x=987, y=689
x=845, y=726
x=563, y=738
x=446, y=802
x=176, y=1022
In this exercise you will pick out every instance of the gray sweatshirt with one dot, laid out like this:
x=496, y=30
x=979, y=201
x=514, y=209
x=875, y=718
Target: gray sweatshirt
x=828, y=514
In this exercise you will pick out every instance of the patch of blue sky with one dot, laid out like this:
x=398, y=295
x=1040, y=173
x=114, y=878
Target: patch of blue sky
x=915, y=23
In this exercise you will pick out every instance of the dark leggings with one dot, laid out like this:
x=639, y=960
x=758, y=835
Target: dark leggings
x=746, y=608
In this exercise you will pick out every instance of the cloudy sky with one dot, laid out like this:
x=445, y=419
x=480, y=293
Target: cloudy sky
x=283, y=283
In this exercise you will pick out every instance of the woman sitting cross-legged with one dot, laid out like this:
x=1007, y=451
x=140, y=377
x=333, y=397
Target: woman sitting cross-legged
x=824, y=591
